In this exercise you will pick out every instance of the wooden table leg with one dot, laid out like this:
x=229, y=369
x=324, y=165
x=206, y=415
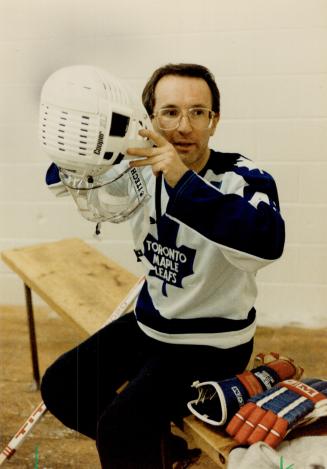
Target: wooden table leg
x=33, y=344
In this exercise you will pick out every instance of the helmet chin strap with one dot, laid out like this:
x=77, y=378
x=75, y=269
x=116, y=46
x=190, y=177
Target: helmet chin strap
x=97, y=231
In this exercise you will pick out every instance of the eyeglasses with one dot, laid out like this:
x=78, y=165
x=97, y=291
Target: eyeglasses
x=169, y=118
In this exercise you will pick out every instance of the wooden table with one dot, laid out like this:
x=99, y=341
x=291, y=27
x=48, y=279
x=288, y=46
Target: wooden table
x=74, y=279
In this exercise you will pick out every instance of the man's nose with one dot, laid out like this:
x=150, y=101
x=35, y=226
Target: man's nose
x=184, y=125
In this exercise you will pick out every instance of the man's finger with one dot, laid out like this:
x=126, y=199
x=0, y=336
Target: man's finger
x=145, y=152
x=156, y=138
x=151, y=160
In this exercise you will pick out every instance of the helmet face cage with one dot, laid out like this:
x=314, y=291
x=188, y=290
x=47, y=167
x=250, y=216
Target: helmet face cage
x=88, y=119
x=114, y=196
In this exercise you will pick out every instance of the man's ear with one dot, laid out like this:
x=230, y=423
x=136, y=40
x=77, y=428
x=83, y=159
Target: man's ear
x=214, y=124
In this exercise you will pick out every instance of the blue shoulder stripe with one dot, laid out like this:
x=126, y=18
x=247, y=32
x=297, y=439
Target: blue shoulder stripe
x=245, y=218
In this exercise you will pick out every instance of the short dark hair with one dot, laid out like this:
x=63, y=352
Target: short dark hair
x=183, y=70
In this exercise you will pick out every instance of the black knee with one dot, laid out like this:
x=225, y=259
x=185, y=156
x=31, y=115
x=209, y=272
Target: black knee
x=126, y=438
x=52, y=389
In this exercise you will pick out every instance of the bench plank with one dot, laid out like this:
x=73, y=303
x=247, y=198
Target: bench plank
x=73, y=278
x=215, y=443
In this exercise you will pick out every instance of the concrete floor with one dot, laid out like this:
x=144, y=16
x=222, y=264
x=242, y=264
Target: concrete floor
x=52, y=446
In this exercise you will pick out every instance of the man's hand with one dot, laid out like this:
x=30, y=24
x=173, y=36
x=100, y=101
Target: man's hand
x=162, y=157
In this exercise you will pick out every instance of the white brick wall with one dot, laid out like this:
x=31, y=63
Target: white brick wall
x=270, y=62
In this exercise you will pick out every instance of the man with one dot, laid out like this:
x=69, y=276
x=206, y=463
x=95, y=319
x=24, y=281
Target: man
x=213, y=220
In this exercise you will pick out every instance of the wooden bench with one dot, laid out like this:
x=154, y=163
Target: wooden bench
x=84, y=286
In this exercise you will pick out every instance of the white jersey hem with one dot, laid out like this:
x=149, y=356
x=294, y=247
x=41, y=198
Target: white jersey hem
x=222, y=340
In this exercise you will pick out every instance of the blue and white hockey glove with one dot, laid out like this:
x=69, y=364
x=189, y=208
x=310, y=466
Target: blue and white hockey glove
x=269, y=416
x=218, y=401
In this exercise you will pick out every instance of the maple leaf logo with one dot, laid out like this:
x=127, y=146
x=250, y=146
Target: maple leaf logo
x=171, y=263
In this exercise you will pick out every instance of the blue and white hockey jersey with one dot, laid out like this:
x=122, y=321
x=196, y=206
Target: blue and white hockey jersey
x=207, y=238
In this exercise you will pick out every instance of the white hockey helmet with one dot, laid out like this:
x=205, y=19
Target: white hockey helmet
x=88, y=118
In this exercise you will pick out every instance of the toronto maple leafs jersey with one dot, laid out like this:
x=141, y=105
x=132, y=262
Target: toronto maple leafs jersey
x=205, y=240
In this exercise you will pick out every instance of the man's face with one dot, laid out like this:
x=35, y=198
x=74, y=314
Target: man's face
x=184, y=93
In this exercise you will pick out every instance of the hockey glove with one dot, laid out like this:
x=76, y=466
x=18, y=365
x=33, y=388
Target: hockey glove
x=270, y=415
x=218, y=401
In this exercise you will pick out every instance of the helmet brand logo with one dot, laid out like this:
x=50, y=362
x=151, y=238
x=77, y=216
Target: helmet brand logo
x=97, y=151
x=137, y=182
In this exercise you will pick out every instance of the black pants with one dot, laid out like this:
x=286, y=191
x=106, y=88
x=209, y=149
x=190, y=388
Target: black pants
x=79, y=388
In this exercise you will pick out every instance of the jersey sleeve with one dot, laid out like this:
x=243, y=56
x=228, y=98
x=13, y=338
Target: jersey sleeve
x=53, y=182
x=237, y=210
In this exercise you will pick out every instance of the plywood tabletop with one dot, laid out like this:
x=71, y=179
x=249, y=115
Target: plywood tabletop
x=73, y=278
